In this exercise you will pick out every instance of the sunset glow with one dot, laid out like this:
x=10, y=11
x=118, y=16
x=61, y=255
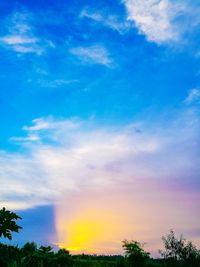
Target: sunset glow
x=88, y=229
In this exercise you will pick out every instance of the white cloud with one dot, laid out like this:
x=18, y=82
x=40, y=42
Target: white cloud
x=21, y=37
x=39, y=124
x=56, y=83
x=63, y=156
x=46, y=129
x=50, y=124
x=193, y=96
x=18, y=40
x=91, y=15
x=30, y=137
x=108, y=20
x=95, y=54
x=162, y=21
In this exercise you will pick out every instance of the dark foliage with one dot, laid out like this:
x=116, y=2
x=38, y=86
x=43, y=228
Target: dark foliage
x=179, y=252
x=135, y=254
x=8, y=223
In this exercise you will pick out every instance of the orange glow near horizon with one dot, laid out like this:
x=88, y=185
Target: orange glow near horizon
x=91, y=222
x=87, y=231
x=96, y=221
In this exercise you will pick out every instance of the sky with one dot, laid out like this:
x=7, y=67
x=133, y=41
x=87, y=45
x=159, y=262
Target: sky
x=99, y=114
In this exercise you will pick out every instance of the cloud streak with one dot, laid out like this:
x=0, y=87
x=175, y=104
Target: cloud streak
x=21, y=36
x=193, y=96
x=108, y=20
x=95, y=54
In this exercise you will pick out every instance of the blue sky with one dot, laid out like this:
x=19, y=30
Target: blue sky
x=101, y=95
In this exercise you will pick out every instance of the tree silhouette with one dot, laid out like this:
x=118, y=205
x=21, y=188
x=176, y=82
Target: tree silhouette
x=135, y=253
x=63, y=258
x=8, y=223
x=29, y=248
x=173, y=246
x=178, y=250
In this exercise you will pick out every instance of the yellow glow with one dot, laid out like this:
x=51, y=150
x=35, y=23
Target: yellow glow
x=86, y=229
x=97, y=220
x=83, y=232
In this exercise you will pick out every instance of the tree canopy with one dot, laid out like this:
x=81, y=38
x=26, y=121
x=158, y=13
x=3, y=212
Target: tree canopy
x=177, y=249
x=8, y=223
x=135, y=253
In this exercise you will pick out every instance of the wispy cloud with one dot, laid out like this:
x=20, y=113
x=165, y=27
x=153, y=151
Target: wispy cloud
x=46, y=129
x=95, y=54
x=30, y=137
x=66, y=154
x=108, y=20
x=21, y=36
x=162, y=21
x=50, y=124
x=56, y=83
x=193, y=96
x=18, y=40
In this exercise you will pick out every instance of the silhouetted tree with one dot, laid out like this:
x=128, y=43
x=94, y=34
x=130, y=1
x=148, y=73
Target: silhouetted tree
x=173, y=246
x=179, y=251
x=8, y=223
x=9, y=254
x=63, y=258
x=45, y=254
x=135, y=253
x=29, y=248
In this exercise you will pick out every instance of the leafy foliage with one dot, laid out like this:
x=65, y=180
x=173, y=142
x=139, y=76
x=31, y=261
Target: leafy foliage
x=135, y=253
x=179, y=251
x=29, y=248
x=8, y=223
